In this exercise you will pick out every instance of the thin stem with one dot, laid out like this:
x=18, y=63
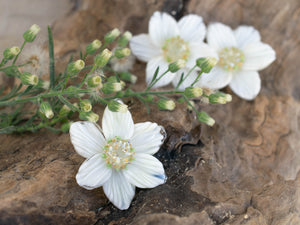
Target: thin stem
x=83, y=80
x=19, y=52
x=45, y=95
x=156, y=80
x=197, y=79
x=185, y=77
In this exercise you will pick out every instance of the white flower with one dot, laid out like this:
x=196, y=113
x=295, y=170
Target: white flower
x=241, y=55
x=118, y=157
x=169, y=41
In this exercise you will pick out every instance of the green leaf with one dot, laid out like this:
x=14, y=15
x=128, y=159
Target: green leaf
x=51, y=59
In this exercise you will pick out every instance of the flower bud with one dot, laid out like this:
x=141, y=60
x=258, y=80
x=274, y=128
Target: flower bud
x=29, y=79
x=89, y=116
x=75, y=67
x=122, y=52
x=175, y=66
x=128, y=77
x=116, y=106
x=85, y=105
x=216, y=99
x=31, y=33
x=65, y=127
x=10, y=53
x=205, y=118
x=43, y=84
x=164, y=104
x=206, y=64
x=94, y=81
x=102, y=58
x=64, y=111
x=93, y=47
x=227, y=97
x=111, y=36
x=123, y=41
x=46, y=110
x=110, y=87
x=193, y=92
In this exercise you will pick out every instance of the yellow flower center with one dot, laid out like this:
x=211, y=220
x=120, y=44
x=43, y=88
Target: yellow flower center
x=175, y=48
x=118, y=153
x=231, y=59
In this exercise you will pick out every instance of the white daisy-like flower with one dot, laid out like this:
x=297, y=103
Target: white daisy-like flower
x=169, y=41
x=241, y=55
x=119, y=156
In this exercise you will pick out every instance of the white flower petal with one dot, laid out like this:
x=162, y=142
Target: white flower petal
x=162, y=26
x=93, y=173
x=118, y=190
x=192, y=28
x=198, y=50
x=86, y=138
x=258, y=56
x=220, y=36
x=245, y=35
x=117, y=124
x=145, y=171
x=163, y=66
x=246, y=84
x=217, y=78
x=143, y=48
x=188, y=81
x=147, y=137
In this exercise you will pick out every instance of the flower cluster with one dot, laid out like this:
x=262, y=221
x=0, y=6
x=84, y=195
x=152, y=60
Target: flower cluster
x=240, y=53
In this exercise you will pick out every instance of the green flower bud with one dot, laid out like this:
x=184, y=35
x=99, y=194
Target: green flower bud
x=128, y=77
x=65, y=127
x=94, y=81
x=205, y=118
x=193, y=92
x=175, y=66
x=111, y=36
x=102, y=58
x=206, y=64
x=89, y=116
x=116, y=106
x=216, y=99
x=29, y=79
x=109, y=87
x=46, y=110
x=164, y=104
x=75, y=67
x=122, y=52
x=43, y=84
x=85, y=105
x=227, y=97
x=93, y=47
x=10, y=53
x=64, y=111
x=31, y=33
x=123, y=41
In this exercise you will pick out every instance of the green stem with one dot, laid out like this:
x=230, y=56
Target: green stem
x=156, y=80
x=45, y=95
x=83, y=80
x=19, y=53
x=197, y=79
x=185, y=77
